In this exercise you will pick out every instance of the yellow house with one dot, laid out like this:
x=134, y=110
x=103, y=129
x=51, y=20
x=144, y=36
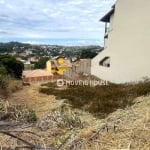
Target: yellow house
x=58, y=65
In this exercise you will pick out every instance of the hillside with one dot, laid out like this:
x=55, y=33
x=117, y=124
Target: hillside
x=9, y=47
x=59, y=126
x=26, y=51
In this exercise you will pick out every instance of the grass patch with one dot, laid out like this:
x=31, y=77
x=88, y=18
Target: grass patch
x=9, y=85
x=50, y=84
x=16, y=113
x=100, y=100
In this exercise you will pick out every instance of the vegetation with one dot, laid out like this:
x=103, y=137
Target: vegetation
x=50, y=84
x=17, y=113
x=10, y=66
x=9, y=85
x=100, y=100
x=3, y=70
x=3, y=78
x=10, y=69
x=88, y=53
x=41, y=64
x=8, y=47
x=20, y=49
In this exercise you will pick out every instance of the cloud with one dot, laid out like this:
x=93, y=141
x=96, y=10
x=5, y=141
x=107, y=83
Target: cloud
x=66, y=42
x=53, y=18
x=2, y=1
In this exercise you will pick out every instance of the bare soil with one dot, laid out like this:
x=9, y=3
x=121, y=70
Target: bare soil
x=31, y=97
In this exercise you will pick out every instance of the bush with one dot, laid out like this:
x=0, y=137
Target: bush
x=16, y=113
x=9, y=85
x=30, y=115
x=3, y=82
x=41, y=64
x=13, y=67
x=50, y=84
x=100, y=100
x=3, y=70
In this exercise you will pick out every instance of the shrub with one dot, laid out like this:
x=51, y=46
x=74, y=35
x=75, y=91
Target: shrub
x=3, y=70
x=100, y=100
x=9, y=85
x=50, y=84
x=17, y=113
x=13, y=67
x=3, y=82
x=30, y=115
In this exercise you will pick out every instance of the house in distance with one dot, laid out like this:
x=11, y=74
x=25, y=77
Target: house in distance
x=58, y=65
x=126, y=54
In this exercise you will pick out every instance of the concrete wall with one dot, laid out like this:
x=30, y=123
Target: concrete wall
x=128, y=43
x=37, y=79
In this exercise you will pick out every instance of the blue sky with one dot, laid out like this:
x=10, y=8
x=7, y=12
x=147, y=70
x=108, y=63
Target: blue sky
x=36, y=20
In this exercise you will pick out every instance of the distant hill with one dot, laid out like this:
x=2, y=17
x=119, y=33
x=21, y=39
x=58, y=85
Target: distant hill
x=50, y=50
x=8, y=47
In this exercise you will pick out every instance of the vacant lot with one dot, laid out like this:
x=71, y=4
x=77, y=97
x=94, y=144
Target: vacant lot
x=99, y=100
x=61, y=125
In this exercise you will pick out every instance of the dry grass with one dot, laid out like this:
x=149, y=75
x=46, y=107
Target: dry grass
x=9, y=86
x=30, y=96
x=127, y=129
x=100, y=100
x=74, y=129
x=60, y=125
x=16, y=113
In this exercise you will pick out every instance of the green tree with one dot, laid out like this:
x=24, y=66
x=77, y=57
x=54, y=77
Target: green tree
x=13, y=67
x=3, y=70
x=88, y=54
x=41, y=64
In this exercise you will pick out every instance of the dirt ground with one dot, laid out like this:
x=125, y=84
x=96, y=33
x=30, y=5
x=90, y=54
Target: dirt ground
x=124, y=129
x=30, y=96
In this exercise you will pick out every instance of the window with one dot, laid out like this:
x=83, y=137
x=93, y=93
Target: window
x=105, y=62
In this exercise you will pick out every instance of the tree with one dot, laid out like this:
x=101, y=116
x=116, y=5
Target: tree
x=13, y=67
x=3, y=78
x=88, y=54
x=3, y=70
x=41, y=64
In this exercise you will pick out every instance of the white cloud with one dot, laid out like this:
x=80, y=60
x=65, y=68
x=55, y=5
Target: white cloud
x=53, y=18
x=2, y=1
x=77, y=2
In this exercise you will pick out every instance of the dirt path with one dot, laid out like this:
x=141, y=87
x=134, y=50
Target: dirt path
x=31, y=97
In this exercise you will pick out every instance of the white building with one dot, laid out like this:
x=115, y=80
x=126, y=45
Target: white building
x=126, y=54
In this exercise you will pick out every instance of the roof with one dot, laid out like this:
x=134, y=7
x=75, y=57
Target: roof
x=66, y=63
x=54, y=64
x=106, y=18
x=56, y=57
x=36, y=73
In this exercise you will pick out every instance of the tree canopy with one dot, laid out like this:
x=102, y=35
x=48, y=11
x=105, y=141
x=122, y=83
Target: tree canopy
x=41, y=64
x=11, y=66
x=88, y=54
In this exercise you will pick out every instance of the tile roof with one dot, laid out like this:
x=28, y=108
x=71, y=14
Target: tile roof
x=66, y=63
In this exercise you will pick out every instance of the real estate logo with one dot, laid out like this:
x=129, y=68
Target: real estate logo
x=62, y=82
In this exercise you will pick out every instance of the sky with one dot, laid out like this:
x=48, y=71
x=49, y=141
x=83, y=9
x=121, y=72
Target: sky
x=36, y=21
